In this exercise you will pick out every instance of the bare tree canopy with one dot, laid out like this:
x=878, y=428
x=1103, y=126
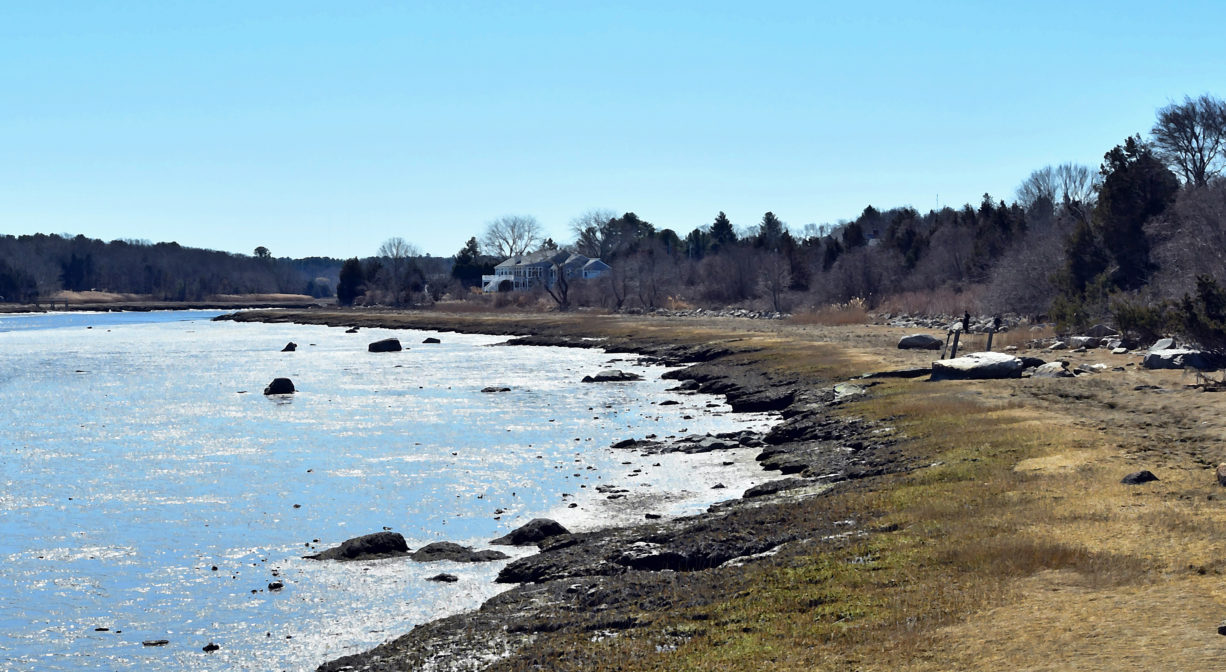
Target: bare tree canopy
x=590, y=231
x=397, y=253
x=1189, y=137
x=511, y=235
x=1063, y=185
x=397, y=249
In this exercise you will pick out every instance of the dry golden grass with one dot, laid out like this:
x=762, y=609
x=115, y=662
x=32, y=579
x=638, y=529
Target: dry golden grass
x=852, y=312
x=65, y=296
x=260, y=298
x=933, y=302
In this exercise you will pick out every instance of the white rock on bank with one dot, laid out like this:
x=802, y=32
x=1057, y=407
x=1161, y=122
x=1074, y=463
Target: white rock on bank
x=978, y=365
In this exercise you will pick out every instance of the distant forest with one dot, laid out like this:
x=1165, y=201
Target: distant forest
x=1138, y=239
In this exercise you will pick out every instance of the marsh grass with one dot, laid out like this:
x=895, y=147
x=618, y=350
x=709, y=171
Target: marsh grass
x=854, y=311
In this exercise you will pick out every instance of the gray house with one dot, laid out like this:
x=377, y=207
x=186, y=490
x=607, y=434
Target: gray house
x=540, y=269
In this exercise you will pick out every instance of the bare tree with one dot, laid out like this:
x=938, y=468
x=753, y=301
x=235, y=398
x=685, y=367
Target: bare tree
x=776, y=276
x=1190, y=136
x=591, y=231
x=511, y=235
x=396, y=253
x=1068, y=185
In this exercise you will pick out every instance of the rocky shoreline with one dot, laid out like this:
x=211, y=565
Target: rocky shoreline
x=612, y=580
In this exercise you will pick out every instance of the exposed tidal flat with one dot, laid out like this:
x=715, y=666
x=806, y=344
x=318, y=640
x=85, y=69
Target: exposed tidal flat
x=958, y=525
x=151, y=492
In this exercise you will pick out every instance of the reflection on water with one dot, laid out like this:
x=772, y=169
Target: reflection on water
x=150, y=491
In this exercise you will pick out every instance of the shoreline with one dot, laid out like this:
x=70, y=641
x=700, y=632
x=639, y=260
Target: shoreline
x=811, y=451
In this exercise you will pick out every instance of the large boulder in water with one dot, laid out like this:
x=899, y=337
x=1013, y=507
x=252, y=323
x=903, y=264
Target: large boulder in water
x=367, y=547
x=280, y=386
x=977, y=366
x=533, y=532
x=446, y=550
x=919, y=342
x=386, y=345
x=612, y=376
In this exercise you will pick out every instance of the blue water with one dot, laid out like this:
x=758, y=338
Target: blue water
x=137, y=453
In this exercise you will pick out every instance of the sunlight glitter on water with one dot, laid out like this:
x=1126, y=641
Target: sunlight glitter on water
x=137, y=455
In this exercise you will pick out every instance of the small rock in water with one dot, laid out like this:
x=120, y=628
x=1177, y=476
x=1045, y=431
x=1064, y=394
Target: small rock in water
x=718, y=486
x=155, y=642
x=431, y=339
x=385, y=345
x=210, y=647
x=444, y=578
x=280, y=386
x=276, y=585
x=290, y=347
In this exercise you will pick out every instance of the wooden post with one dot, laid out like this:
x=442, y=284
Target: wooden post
x=954, y=353
x=991, y=333
x=945, y=350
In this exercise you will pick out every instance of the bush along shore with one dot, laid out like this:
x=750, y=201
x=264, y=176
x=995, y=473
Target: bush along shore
x=912, y=524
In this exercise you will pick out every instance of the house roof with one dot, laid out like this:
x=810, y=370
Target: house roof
x=546, y=258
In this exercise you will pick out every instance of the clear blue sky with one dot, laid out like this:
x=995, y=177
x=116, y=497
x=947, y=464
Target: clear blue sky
x=325, y=128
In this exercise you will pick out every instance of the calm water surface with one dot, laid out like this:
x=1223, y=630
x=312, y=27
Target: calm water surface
x=137, y=454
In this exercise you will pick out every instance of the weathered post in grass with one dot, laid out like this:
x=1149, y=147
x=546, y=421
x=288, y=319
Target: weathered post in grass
x=993, y=330
x=944, y=351
x=954, y=351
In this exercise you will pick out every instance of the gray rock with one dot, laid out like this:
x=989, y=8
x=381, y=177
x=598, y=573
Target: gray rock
x=1058, y=345
x=847, y=390
x=1119, y=351
x=385, y=345
x=920, y=342
x=155, y=642
x=431, y=340
x=977, y=366
x=1221, y=474
x=444, y=578
x=1162, y=344
x=1100, y=331
x=493, y=388
x=366, y=547
x=772, y=487
x=280, y=386
x=1178, y=358
x=535, y=531
x=1088, y=342
x=1053, y=370
x=446, y=550
x=612, y=376
x=1139, y=477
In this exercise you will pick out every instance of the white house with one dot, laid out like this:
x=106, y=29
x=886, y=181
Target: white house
x=540, y=269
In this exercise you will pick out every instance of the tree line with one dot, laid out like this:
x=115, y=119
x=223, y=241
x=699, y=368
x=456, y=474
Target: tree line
x=34, y=267
x=1074, y=244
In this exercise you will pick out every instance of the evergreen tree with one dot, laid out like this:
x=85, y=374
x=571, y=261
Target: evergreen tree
x=770, y=232
x=1136, y=186
x=722, y=233
x=352, y=282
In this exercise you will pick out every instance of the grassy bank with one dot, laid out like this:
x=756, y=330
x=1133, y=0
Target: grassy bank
x=1015, y=546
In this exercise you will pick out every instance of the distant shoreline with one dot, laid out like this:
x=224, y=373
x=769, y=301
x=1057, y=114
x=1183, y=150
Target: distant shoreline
x=150, y=306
